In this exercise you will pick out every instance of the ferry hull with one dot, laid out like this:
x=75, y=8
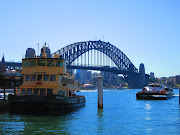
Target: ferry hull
x=37, y=102
x=153, y=96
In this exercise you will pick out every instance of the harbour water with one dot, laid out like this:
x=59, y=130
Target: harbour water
x=122, y=114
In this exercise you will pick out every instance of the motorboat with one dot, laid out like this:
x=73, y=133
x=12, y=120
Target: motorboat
x=155, y=91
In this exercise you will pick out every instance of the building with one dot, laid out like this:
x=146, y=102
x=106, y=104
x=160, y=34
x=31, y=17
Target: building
x=152, y=75
x=78, y=74
x=111, y=78
x=177, y=79
x=83, y=76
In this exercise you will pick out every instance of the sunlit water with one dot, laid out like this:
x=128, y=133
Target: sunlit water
x=122, y=114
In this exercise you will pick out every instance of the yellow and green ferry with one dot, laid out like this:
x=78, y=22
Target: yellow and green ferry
x=46, y=83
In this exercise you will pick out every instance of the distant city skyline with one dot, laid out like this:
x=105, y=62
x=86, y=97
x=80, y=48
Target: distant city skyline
x=146, y=31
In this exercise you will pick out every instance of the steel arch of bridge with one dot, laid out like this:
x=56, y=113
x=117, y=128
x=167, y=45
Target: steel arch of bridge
x=75, y=50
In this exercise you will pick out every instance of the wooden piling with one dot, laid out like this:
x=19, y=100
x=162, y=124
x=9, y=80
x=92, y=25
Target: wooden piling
x=100, y=92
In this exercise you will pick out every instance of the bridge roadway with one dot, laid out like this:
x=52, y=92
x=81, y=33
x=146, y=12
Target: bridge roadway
x=105, y=69
x=12, y=65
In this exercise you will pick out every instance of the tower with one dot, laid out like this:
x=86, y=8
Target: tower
x=142, y=74
x=2, y=65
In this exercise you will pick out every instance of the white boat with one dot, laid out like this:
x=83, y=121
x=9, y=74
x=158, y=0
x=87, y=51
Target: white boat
x=155, y=91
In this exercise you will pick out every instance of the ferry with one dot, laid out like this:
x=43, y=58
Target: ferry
x=47, y=84
x=155, y=91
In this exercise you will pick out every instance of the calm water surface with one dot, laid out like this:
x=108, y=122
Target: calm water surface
x=122, y=114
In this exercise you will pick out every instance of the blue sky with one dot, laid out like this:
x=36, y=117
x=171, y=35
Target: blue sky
x=147, y=31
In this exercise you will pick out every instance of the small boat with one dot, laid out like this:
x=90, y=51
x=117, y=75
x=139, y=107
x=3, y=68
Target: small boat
x=155, y=91
x=87, y=87
x=46, y=84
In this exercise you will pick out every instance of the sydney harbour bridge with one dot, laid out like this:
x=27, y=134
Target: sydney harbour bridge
x=100, y=56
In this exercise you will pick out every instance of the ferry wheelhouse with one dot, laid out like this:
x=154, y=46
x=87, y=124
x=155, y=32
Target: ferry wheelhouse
x=46, y=83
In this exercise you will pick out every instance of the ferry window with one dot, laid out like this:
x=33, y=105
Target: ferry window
x=23, y=91
x=61, y=64
x=53, y=78
x=42, y=91
x=32, y=63
x=41, y=62
x=29, y=91
x=25, y=63
x=35, y=92
x=33, y=77
x=27, y=77
x=46, y=77
x=50, y=63
x=64, y=63
x=49, y=91
x=58, y=63
x=39, y=78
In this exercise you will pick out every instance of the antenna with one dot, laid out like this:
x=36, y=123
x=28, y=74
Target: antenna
x=45, y=48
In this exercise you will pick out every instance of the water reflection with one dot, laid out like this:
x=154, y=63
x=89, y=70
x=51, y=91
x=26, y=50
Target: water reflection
x=148, y=108
x=148, y=116
x=33, y=122
x=100, y=121
x=45, y=125
x=100, y=113
x=10, y=124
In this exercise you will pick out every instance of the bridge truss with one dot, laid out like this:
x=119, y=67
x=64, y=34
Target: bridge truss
x=73, y=51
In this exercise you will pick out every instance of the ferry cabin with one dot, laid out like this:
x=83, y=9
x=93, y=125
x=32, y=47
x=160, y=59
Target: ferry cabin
x=46, y=76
